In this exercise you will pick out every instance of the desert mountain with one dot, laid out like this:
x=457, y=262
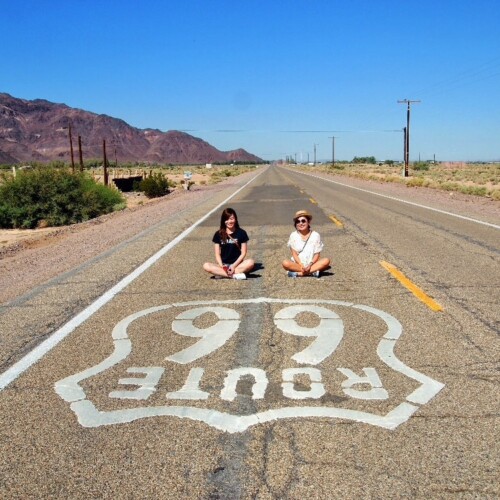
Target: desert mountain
x=38, y=130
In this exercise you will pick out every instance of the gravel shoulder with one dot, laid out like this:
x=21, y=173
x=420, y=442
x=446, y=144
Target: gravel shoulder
x=30, y=258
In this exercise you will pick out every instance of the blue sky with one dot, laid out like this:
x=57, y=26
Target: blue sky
x=275, y=77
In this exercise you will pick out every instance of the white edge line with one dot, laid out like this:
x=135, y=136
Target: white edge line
x=38, y=352
x=400, y=200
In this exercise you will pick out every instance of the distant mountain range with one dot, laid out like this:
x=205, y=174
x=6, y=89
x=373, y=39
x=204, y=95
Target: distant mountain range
x=38, y=131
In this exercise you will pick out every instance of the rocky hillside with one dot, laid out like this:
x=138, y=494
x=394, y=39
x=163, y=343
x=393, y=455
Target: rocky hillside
x=38, y=130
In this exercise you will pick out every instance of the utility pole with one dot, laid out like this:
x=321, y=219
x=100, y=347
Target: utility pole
x=80, y=152
x=404, y=147
x=105, y=162
x=71, y=148
x=333, y=150
x=315, y=153
x=407, y=142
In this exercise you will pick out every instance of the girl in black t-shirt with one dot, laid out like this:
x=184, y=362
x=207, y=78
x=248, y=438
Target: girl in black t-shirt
x=230, y=246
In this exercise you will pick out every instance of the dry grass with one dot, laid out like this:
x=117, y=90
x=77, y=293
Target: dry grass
x=467, y=178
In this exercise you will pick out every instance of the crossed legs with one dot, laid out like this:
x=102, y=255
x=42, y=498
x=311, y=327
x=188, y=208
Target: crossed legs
x=320, y=265
x=244, y=267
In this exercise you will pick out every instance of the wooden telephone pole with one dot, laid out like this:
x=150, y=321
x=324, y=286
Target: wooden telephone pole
x=105, y=163
x=333, y=150
x=80, y=152
x=71, y=148
x=407, y=135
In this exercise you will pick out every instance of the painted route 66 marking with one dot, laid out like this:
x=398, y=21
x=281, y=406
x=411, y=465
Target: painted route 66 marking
x=327, y=336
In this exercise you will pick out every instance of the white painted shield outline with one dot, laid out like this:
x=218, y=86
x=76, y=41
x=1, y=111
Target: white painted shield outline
x=89, y=416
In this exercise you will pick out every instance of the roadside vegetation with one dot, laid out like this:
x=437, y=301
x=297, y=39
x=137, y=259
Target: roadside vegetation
x=43, y=197
x=154, y=185
x=479, y=179
x=39, y=195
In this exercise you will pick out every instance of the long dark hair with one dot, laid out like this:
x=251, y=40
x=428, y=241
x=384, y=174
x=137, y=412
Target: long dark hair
x=226, y=213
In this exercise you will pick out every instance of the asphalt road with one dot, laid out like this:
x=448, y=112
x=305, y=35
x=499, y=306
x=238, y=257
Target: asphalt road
x=175, y=385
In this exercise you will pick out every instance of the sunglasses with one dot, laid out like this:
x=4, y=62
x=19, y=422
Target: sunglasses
x=301, y=221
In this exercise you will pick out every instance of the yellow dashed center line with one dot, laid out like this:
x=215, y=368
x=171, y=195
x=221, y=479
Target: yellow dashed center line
x=313, y=201
x=336, y=221
x=419, y=293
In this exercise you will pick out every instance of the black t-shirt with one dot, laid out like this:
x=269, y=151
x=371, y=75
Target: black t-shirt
x=231, y=250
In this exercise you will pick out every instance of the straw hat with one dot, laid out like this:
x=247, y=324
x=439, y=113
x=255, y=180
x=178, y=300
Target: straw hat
x=302, y=213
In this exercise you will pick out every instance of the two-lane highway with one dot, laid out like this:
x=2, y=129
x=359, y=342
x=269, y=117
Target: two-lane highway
x=176, y=385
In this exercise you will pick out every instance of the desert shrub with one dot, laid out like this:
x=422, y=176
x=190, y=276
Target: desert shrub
x=495, y=194
x=449, y=186
x=394, y=178
x=420, y=166
x=415, y=182
x=98, y=199
x=154, y=186
x=54, y=196
x=365, y=159
x=475, y=190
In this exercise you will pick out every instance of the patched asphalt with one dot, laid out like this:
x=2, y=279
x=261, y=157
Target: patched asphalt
x=133, y=410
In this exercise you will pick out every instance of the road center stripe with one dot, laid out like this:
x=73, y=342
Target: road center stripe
x=418, y=292
x=336, y=221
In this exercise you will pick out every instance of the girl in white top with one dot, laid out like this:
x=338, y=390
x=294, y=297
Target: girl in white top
x=305, y=245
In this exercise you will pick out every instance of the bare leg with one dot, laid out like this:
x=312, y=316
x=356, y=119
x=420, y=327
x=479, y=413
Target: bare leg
x=290, y=265
x=320, y=265
x=215, y=269
x=245, y=267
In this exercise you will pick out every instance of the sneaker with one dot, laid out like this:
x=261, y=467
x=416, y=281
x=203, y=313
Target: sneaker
x=315, y=274
x=292, y=274
x=239, y=276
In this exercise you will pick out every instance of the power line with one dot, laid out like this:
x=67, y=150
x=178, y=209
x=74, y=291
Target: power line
x=464, y=77
x=267, y=131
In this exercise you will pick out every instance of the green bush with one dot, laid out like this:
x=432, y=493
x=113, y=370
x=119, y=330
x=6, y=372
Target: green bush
x=54, y=196
x=364, y=159
x=420, y=166
x=154, y=186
